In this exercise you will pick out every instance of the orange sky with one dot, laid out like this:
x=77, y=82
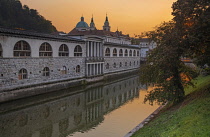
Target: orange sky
x=129, y=16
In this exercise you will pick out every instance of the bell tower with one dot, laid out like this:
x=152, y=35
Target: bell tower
x=106, y=26
x=92, y=24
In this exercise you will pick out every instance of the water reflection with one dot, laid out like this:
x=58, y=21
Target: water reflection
x=62, y=113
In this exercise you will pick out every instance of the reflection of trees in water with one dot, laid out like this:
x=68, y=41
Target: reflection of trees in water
x=22, y=119
x=63, y=125
x=77, y=118
x=46, y=131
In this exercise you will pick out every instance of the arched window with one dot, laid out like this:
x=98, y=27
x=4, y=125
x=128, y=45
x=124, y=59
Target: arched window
x=114, y=52
x=126, y=64
x=45, y=50
x=107, y=52
x=63, y=50
x=120, y=64
x=46, y=71
x=78, y=51
x=107, y=66
x=78, y=69
x=121, y=53
x=126, y=53
x=64, y=70
x=1, y=51
x=130, y=53
x=22, y=49
x=114, y=65
x=137, y=63
x=22, y=74
x=134, y=53
x=134, y=63
x=138, y=53
x=130, y=63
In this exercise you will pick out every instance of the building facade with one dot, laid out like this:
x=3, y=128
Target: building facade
x=31, y=59
x=146, y=45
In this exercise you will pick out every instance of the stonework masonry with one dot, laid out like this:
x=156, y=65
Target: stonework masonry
x=32, y=60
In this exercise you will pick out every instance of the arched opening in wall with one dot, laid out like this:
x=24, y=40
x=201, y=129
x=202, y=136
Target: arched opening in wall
x=114, y=65
x=63, y=51
x=78, y=51
x=22, y=74
x=78, y=69
x=130, y=64
x=130, y=53
x=138, y=53
x=22, y=49
x=107, y=52
x=1, y=51
x=114, y=52
x=120, y=64
x=107, y=66
x=126, y=53
x=134, y=63
x=134, y=53
x=45, y=50
x=121, y=53
x=46, y=71
x=64, y=70
x=126, y=64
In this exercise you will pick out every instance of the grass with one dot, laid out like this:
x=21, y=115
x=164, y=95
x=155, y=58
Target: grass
x=191, y=118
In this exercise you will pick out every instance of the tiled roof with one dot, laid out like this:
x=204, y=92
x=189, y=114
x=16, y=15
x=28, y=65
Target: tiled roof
x=75, y=32
x=35, y=34
x=145, y=40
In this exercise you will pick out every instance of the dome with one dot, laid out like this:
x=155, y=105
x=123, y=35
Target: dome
x=82, y=24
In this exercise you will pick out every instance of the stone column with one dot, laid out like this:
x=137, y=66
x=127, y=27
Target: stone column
x=87, y=49
x=93, y=69
x=102, y=69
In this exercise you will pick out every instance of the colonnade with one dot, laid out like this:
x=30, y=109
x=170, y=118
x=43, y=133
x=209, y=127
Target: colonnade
x=94, y=69
x=94, y=49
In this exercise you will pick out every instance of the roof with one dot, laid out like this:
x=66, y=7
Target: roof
x=82, y=24
x=145, y=40
x=76, y=32
x=34, y=34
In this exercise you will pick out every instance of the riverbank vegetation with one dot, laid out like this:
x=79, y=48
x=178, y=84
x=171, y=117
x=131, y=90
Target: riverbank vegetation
x=17, y=16
x=186, y=35
x=189, y=118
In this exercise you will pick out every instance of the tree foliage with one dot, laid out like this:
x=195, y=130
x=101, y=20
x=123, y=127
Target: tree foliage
x=187, y=35
x=14, y=15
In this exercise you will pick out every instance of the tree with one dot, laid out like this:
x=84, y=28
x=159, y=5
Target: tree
x=192, y=19
x=187, y=35
x=14, y=15
x=164, y=67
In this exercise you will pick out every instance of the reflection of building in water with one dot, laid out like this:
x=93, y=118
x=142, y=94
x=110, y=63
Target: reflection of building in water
x=66, y=115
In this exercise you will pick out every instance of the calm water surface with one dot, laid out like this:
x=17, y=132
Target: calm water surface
x=108, y=109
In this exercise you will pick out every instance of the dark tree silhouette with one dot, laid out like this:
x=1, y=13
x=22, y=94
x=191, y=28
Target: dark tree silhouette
x=14, y=15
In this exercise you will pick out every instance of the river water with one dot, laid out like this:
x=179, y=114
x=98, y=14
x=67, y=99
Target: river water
x=106, y=109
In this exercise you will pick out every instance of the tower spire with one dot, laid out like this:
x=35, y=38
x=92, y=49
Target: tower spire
x=92, y=24
x=106, y=26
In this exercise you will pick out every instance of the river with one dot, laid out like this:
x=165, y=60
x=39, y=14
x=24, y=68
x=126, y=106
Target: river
x=105, y=109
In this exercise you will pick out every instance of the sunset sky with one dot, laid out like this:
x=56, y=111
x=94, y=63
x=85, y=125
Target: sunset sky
x=129, y=16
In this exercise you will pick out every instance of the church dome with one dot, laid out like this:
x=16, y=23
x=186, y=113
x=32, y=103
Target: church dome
x=82, y=24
